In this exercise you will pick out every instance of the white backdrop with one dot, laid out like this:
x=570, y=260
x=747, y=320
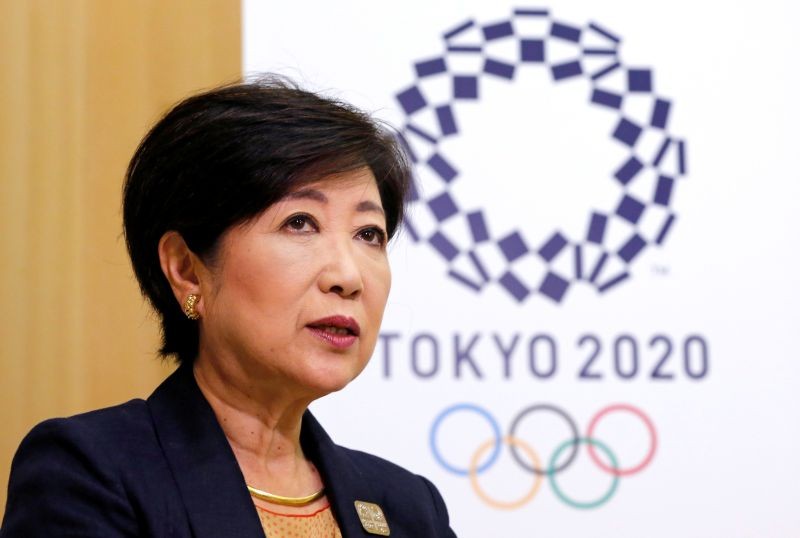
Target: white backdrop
x=534, y=156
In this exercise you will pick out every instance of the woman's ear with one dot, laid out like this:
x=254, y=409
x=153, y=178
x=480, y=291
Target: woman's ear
x=182, y=268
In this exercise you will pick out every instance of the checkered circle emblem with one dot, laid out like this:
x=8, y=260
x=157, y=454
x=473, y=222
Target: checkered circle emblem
x=652, y=168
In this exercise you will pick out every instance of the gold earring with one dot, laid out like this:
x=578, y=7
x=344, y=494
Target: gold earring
x=188, y=307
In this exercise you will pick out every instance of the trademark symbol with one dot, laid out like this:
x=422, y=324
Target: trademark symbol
x=661, y=269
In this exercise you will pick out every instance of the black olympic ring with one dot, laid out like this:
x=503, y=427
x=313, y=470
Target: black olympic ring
x=572, y=426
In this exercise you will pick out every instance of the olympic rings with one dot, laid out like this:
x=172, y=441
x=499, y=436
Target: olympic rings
x=514, y=442
x=560, y=494
x=504, y=505
x=651, y=429
x=476, y=409
x=558, y=411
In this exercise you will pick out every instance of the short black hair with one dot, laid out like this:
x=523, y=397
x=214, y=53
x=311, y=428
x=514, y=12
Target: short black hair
x=220, y=158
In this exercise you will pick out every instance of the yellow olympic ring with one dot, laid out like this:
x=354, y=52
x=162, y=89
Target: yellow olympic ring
x=505, y=505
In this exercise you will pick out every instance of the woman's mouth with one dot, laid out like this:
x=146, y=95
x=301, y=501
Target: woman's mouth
x=339, y=331
x=333, y=329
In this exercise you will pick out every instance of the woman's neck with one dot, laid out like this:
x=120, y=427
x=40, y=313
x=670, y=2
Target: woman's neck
x=262, y=425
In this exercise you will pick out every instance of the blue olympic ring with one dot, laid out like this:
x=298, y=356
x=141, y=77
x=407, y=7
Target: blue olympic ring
x=475, y=409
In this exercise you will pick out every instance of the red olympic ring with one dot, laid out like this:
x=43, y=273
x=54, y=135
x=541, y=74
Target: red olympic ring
x=650, y=428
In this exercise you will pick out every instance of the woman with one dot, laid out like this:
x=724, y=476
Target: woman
x=256, y=217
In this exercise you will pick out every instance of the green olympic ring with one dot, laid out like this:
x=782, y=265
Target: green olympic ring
x=551, y=475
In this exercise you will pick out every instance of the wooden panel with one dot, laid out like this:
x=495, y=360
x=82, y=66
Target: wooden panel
x=81, y=82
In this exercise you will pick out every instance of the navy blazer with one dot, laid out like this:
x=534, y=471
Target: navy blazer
x=163, y=467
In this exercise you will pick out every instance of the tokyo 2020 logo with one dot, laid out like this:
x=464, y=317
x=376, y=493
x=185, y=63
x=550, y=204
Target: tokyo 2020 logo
x=540, y=466
x=595, y=58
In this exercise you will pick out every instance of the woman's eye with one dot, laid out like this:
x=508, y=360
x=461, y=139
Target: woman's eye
x=300, y=223
x=374, y=236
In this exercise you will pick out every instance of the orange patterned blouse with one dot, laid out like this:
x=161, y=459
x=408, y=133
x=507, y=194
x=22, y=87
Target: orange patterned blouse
x=320, y=524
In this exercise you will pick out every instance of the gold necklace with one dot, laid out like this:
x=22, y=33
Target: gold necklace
x=285, y=501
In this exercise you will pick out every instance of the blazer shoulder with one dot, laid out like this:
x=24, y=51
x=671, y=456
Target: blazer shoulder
x=66, y=474
x=102, y=433
x=109, y=420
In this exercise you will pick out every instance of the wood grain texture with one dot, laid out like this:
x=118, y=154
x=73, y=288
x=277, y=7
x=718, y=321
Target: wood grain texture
x=82, y=80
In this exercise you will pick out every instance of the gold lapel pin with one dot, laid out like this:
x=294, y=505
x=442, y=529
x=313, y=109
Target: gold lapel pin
x=372, y=518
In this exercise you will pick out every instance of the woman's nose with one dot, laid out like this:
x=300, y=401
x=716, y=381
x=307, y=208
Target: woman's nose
x=341, y=273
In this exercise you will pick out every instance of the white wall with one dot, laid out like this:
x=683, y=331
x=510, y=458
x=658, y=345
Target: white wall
x=535, y=156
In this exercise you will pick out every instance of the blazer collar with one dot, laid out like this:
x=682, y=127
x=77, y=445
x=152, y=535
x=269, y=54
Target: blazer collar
x=344, y=480
x=201, y=460
x=209, y=479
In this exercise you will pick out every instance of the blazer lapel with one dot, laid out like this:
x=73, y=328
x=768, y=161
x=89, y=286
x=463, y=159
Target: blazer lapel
x=344, y=481
x=201, y=460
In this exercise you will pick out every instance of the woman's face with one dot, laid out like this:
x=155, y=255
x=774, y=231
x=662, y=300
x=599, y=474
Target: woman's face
x=295, y=298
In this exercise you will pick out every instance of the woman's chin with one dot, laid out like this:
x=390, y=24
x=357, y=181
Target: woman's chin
x=323, y=381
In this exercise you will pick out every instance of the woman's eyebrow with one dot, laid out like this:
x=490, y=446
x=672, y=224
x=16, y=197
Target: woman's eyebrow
x=310, y=194
x=365, y=206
